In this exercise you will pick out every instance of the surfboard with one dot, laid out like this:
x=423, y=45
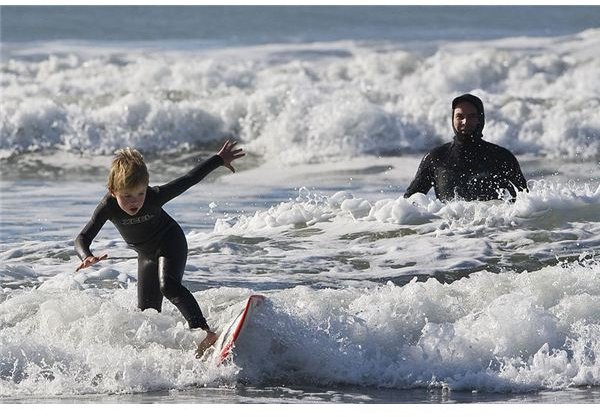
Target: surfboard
x=235, y=328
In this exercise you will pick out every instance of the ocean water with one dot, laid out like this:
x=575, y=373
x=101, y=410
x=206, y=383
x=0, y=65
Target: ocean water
x=371, y=298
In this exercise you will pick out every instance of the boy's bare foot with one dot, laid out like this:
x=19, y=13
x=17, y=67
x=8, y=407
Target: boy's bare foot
x=209, y=340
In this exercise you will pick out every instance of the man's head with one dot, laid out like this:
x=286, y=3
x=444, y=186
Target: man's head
x=468, y=117
x=128, y=179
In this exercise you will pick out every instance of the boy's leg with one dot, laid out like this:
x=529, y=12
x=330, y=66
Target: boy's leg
x=148, y=286
x=171, y=266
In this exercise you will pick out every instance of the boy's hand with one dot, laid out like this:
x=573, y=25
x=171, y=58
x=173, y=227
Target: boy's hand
x=229, y=154
x=91, y=260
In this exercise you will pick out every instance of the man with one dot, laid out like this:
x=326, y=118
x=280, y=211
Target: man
x=468, y=168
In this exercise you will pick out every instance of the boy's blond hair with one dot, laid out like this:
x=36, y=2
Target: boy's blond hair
x=128, y=170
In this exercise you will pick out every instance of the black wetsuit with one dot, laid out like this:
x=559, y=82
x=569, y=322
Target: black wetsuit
x=474, y=171
x=158, y=240
x=469, y=167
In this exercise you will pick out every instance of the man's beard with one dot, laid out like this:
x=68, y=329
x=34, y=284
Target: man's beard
x=467, y=137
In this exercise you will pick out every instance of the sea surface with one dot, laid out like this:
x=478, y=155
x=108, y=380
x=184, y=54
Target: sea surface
x=371, y=298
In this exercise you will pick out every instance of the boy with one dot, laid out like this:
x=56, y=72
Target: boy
x=136, y=211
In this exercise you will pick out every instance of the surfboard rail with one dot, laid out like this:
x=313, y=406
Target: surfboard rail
x=239, y=321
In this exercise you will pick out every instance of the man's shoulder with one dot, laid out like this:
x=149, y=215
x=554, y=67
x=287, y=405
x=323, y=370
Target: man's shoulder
x=498, y=150
x=440, y=150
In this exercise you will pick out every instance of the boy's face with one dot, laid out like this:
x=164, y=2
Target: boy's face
x=131, y=199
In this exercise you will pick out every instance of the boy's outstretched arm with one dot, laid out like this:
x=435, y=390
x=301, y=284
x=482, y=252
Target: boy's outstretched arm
x=225, y=157
x=229, y=154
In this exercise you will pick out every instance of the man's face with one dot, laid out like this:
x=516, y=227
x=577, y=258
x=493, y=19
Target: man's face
x=131, y=199
x=465, y=118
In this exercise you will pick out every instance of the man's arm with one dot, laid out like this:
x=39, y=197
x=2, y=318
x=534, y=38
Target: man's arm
x=423, y=180
x=516, y=176
x=520, y=180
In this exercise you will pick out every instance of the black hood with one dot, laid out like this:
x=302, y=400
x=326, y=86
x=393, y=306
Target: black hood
x=475, y=101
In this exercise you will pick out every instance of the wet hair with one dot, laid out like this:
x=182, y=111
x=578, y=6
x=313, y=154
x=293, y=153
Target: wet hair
x=128, y=170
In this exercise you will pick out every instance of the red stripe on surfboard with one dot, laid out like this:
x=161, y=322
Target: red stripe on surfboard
x=227, y=349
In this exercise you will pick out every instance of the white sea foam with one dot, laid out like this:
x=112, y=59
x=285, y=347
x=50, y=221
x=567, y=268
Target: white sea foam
x=365, y=289
x=462, y=335
x=422, y=334
x=309, y=209
x=343, y=308
x=302, y=103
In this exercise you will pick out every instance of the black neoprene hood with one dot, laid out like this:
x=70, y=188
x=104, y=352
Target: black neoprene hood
x=475, y=101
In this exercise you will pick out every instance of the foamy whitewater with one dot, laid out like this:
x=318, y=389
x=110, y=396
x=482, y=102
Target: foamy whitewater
x=306, y=103
x=369, y=295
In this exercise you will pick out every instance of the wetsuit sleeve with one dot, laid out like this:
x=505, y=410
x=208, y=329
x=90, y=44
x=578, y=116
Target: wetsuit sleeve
x=423, y=181
x=516, y=175
x=176, y=187
x=91, y=229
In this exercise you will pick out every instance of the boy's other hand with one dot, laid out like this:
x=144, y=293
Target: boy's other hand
x=91, y=260
x=229, y=154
